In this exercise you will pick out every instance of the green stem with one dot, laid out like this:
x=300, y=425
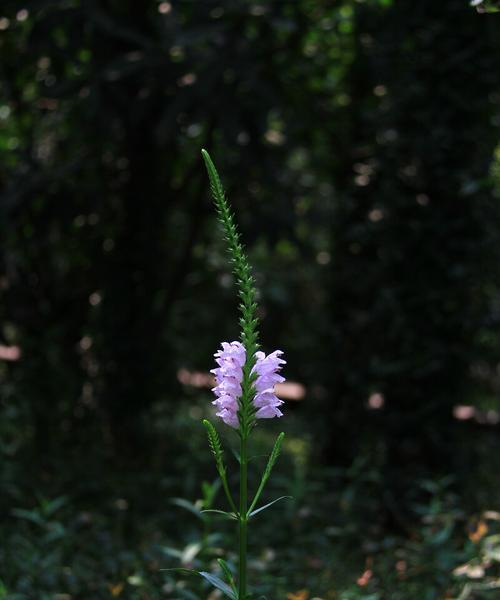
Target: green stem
x=243, y=520
x=228, y=493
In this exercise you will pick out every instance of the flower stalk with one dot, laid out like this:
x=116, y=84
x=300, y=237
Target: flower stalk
x=244, y=392
x=246, y=291
x=243, y=521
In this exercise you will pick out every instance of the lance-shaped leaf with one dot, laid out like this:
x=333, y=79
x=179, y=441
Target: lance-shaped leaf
x=216, y=447
x=258, y=510
x=222, y=513
x=267, y=472
x=219, y=584
x=213, y=579
x=229, y=576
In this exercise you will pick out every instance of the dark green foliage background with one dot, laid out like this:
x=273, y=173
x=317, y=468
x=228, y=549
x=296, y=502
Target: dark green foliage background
x=358, y=143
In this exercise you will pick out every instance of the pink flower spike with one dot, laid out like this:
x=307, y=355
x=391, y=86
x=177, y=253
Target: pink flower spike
x=266, y=368
x=229, y=375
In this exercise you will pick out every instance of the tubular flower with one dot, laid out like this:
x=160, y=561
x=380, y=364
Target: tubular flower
x=229, y=375
x=267, y=368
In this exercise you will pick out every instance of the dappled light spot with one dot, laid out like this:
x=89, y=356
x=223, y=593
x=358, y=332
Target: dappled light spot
x=376, y=215
x=323, y=257
x=10, y=353
x=477, y=531
x=380, y=90
x=376, y=401
x=85, y=343
x=121, y=504
x=362, y=180
x=164, y=8
x=243, y=138
x=95, y=298
x=365, y=578
x=195, y=378
x=194, y=130
x=409, y=170
x=79, y=221
x=491, y=417
x=116, y=589
x=22, y=15
x=186, y=80
x=43, y=63
x=470, y=571
x=108, y=245
x=217, y=12
x=258, y=10
x=274, y=137
x=289, y=390
x=387, y=136
x=177, y=53
x=422, y=199
x=492, y=515
x=300, y=595
x=464, y=412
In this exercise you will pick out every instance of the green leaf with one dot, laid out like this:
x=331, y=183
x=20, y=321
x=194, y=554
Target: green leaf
x=269, y=467
x=219, y=584
x=274, y=454
x=228, y=515
x=28, y=515
x=52, y=506
x=253, y=513
x=213, y=579
x=216, y=447
x=227, y=572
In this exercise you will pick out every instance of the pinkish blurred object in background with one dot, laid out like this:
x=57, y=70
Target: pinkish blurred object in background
x=10, y=353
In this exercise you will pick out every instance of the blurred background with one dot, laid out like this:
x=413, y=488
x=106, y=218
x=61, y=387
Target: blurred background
x=359, y=144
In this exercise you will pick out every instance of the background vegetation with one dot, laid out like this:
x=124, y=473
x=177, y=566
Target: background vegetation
x=358, y=141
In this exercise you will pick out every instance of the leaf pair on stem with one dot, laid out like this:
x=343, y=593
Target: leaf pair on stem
x=216, y=447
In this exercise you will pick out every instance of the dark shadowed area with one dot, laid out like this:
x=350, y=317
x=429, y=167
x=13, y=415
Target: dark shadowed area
x=359, y=145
